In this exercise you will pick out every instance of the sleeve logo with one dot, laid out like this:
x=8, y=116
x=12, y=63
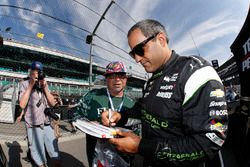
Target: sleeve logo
x=217, y=93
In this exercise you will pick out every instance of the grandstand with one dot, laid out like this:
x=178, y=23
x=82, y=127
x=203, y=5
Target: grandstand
x=61, y=45
x=66, y=73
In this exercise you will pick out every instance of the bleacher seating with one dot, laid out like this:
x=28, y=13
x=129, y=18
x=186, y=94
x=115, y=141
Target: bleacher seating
x=4, y=83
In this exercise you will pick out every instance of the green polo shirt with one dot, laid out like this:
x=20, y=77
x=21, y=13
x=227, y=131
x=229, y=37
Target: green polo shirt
x=95, y=101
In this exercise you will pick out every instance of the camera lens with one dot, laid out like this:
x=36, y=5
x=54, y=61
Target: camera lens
x=41, y=75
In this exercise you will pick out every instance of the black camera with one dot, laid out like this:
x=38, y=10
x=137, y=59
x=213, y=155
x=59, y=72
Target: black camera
x=50, y=112
x=41, y=75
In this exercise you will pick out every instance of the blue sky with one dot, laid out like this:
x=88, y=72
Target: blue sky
x=213, y=25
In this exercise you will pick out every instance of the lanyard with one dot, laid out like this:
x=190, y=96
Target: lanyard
x=112, y=104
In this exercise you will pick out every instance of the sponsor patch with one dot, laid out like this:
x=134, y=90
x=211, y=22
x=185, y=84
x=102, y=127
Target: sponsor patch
x=167, y=87
x=217, y=93
x=167, y=79
x=217, y=103
x=214, y=138
x=146, y=94
x=153, y=121
x=218, y=112
x=172, y=78
x=218, y=127
x=165, y=95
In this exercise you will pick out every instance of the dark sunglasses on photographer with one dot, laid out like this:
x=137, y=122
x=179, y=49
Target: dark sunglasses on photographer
x=139, y=48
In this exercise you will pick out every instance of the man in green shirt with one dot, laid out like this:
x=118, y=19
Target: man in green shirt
x=98, y=100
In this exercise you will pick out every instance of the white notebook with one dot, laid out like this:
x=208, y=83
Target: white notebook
x=96, y=129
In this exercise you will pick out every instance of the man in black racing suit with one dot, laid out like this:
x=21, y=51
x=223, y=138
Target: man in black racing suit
x=183, y=108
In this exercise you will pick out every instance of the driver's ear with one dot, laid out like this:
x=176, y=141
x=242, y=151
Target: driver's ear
x=162, y=39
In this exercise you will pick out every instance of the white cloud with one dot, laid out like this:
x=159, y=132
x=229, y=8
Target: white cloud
x=139, y=10
x=219, y=52
x=30, y=16
x=5, y=10
x=82, y=16
x=207, y=32
x=87, y=19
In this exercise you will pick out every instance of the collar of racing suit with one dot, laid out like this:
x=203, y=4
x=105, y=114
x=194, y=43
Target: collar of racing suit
x=159, y=72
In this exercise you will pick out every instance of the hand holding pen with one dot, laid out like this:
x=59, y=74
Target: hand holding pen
x=110, y=118
x=110, y=115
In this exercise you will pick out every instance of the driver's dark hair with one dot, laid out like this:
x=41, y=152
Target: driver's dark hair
x=149, y=27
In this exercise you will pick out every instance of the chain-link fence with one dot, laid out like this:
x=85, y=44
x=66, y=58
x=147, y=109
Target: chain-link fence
x=64, y=26
x=55, y=33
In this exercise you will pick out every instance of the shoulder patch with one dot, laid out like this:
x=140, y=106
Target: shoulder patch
x=197, y=80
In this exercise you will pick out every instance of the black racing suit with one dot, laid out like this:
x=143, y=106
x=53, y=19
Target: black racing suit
x=183, y=112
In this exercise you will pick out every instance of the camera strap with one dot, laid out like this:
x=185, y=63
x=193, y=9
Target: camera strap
x=41, y=99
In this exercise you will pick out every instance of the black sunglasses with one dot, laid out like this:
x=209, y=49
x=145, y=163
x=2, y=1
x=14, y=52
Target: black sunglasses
x=139, y=48
x=116, y=75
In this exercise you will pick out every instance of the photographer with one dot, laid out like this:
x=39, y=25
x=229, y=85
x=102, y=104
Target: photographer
x=34, y=99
